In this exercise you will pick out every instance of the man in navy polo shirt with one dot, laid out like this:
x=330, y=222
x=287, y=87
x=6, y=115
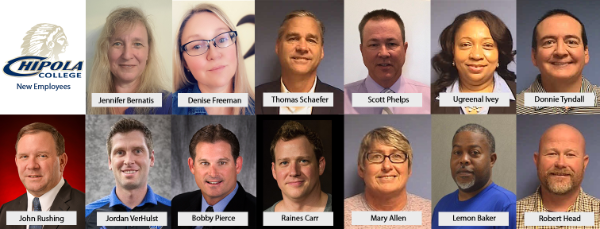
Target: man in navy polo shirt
x=130, y=156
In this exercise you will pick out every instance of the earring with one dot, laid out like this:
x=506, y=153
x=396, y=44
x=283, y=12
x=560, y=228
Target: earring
x=453, y=63
x=498, y=65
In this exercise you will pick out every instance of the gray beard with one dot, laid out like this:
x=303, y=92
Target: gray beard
x=464, y=186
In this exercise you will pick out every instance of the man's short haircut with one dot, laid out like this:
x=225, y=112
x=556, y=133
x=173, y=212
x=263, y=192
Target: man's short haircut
x=386, y=135
x=291, y=130
x=211, y=134
x=127, y=125
x=476, y=128
x=36, y=127
x=301, y=13
x=558, y=12
x=379, y=15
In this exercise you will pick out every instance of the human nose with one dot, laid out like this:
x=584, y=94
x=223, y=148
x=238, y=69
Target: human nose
x=383, y=52
x=212, y=52
x=294, y=169
x=302, y=46
x=476, y=53
x=464, y=159
x=129, y=158
x=561, y=49
x=127, y=52
x=212, y=170
x=386, y=165
x=561, y=161
x=32, y=163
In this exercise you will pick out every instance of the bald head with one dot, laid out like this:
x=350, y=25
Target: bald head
x=562, y=134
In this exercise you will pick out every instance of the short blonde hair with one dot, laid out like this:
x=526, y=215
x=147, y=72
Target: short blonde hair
x=152, y=79
x=184, y=78
x=301, y=13
x=386, y=135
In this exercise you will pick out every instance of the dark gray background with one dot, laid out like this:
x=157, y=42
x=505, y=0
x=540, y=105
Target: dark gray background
x=444, y=12
x=443, y=127
x=529, y=12
x=270, y=14
x=99, y=180
x=184, y=127
x=531, y=127
x=417, y=128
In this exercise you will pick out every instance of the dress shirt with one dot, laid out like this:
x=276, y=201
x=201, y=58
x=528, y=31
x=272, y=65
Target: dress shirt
x=193, y=88
x=500, y=86
x=533, y=203
x=219, y=206
x=296, y=110
x=536, y=87
x=402, y=85
x=46, y=199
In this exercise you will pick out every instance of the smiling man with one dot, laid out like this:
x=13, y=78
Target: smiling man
x=297, y=162
x=385, y=164
x=299, y=47
x=383, y=47
x=561, y=162
x=41, y=162
x=130, y=156
x=559, y=49
x=215, y=162
x=471, y=163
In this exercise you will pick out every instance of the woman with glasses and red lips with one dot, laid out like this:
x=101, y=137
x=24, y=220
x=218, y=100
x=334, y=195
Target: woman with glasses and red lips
x=208, y=59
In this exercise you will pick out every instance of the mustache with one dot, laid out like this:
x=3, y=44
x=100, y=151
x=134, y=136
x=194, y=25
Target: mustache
x=560, y=172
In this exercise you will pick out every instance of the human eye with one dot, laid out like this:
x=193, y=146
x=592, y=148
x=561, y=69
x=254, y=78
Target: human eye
x=475, y=152
x=548, y=43
x=138, y=44
x=117, y=43
x=23, y=157
x=392, y=45
x=204, y=163
x=397, y=156
x=223, y=39
x=43, y=156
x=456, y=152
x=304, y=161
x=488, y=45
x=572, y=42
x=138, y=151
x=464, y=45
x=376, y=156
x=222, y=162
x=283, y=163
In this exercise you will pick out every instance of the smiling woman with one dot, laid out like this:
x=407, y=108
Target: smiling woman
x=474, y=46
x=126, y=62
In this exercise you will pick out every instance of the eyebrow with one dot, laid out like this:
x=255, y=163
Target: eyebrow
x=196, y=36
x=220, y=159
x=470, y=146
x=556, y=37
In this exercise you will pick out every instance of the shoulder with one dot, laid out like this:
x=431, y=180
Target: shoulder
x=272, y=86
x=104, y=201
x=446, y=203
x=354, y=203
x=354, y=86
x=416, y=84
x=272, y=208
x=526, y=202
x=187, y=89
x=162, y=200
x=502, y=195
x=418, y=202
x=14, y=204
x=323, y=87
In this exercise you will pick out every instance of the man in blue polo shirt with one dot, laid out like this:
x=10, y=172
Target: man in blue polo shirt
x=473, y=156
x=130, y=156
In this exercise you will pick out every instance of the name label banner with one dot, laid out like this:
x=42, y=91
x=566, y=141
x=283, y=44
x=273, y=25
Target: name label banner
x=298, y=218
x=41, y=218
x=126, y=99
x=387, y=100
x=212, y=100
x=474, y=99
x=386, y=218
x=321, y=99
x=559, y=219
x=212, y=219
x=559, y=99
x=131, y=219
x=473, y=218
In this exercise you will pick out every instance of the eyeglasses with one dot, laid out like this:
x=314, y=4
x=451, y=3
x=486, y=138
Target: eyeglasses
x=379, y=158
x=199, y=47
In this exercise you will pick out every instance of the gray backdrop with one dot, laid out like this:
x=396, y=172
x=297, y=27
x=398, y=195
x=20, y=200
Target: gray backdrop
x=443, y=128
x=99, y=180
x=270, y=14
x=529, y=12
x=531, y=128
x=417, y=128
x=184, y=127
x=444, y=12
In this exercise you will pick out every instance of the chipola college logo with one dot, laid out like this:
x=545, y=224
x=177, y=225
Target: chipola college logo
x=41, y=46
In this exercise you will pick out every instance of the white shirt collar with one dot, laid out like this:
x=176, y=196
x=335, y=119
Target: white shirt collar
x=500, y=86
x=296, y=110
x=285, y=90
x=47, y=198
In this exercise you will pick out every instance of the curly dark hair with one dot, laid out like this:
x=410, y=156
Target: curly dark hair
x=442, y=62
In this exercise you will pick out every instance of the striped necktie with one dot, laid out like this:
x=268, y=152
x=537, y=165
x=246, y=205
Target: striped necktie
x=36, y=208
x=387, y=110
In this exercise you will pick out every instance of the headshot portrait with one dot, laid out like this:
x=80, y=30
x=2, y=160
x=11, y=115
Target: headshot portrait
x=293, y=53
x=211, y=55
x=128, y=49
x=214, y=165
x=555, y=36
x=128, y=161
x=387, y=166
x=48, y=173
x=482, y=175
x=386, y=50
x=473, y=54
x=555, y=165
x=297, y=167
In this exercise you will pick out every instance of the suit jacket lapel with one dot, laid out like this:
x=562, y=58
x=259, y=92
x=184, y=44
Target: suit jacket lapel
x=320, y=110
x=60, y=202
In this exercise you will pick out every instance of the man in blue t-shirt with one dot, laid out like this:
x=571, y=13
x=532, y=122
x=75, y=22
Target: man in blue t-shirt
x=473, y=156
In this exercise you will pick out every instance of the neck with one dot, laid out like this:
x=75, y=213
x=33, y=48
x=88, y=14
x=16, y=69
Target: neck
x=559, y=203
x=485, y=87
x=214, y=201
x=127, y=87
x=557, y=85
x=299, y=83
x=386, y=202
x=219, y=110
x=132, y=198
x=386, y=83
x=462, y=195
x=314, y=202
x=228, y=88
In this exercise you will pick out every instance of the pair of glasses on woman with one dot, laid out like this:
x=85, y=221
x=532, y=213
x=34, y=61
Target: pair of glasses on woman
x=199, y=47
x=379, y=157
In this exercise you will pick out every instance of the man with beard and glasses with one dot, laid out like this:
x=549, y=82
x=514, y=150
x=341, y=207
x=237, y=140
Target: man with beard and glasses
x=473, y=156
x=561, y=163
